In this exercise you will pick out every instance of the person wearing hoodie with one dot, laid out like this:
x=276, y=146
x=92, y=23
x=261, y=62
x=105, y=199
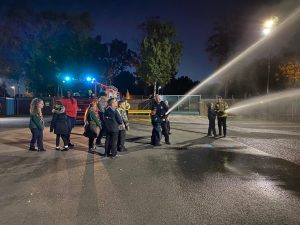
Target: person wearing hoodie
x=112, y=121
x=60, y=126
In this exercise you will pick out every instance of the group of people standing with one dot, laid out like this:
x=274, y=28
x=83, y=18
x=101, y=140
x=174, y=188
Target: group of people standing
x=112, y=122
x=110, y=118
x=101, y=118
x=62, y=123
x=217, y=111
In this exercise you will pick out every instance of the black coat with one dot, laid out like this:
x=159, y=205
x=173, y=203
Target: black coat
x=112, y=120
x=161, y=108
x=211, y=113
x=59, y=122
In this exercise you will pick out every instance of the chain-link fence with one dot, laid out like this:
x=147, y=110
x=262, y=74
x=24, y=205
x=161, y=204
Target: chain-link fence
x=190, y=106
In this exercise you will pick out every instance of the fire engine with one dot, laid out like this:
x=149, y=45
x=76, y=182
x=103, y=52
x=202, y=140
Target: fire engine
x=85, y=95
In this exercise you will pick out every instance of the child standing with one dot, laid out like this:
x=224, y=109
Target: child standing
x=36, y=124
x=123, y=127
x=211, y=114
x=59, y=124
x=91, y=123
x=156, y=132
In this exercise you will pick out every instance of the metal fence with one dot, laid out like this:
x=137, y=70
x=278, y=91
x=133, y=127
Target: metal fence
x=285, y=110
x=190, y=106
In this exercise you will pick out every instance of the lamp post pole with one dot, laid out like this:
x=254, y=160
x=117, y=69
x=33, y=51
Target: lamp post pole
x=267, y=29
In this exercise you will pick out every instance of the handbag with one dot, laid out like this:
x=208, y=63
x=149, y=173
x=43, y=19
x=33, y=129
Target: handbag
x=90, y=128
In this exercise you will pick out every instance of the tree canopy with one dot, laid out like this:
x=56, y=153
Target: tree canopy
x=160, y=53
x=41, y=46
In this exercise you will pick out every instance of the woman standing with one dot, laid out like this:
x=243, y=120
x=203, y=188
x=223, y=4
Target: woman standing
x=36, y=124
x=70, y=103
x=91, y=123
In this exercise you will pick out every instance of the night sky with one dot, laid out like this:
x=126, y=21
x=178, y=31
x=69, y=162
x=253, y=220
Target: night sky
x=120, y=19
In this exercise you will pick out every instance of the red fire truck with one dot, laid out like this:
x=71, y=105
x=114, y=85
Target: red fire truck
x=85, y=95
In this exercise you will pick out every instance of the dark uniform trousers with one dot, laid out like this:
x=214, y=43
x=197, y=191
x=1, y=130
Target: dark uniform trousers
x=222, y=123
x=121, y=140
x=111, y=143
x=156, y=136
x=165, y=130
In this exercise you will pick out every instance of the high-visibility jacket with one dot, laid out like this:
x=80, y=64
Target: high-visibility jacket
x=220, y=108
x=127, y=106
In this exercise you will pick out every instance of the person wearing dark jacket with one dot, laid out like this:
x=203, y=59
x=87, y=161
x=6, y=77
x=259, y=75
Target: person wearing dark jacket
x=161, y=110
x=59, y=124
x=156, y=132
x=112, y=121
x=211, y=114
x=91, y=123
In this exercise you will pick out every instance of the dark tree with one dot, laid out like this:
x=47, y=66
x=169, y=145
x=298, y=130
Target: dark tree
x=179, y=86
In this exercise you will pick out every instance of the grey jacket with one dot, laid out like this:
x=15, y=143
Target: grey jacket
x=125, y=121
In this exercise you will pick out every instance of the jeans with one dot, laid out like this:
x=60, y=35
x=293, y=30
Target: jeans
x=37, y=136
x=212, y=127
x=71, y=125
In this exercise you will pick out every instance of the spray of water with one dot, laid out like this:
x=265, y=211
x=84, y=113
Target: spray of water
x=289, y=20
x=258, y=101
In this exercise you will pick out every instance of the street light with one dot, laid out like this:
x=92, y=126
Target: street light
x=267, y=29
x=14, y=88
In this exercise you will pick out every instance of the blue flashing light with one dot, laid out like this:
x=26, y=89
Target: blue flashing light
x=67, y=78
x=88, y=79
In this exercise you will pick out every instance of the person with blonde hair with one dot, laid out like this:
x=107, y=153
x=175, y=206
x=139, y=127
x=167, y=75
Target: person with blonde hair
x=91, y=122
x=36, y=124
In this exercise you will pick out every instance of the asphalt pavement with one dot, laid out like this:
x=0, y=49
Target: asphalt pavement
x=250, y=177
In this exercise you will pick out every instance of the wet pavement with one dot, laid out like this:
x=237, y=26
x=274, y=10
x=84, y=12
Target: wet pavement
x=250, y=177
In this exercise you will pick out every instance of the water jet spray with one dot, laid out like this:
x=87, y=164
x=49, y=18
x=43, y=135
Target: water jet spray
x=289, y=20
x=258, y=101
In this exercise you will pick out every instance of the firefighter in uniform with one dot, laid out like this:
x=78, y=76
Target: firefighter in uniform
x=161, y=110
x=220, y=108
